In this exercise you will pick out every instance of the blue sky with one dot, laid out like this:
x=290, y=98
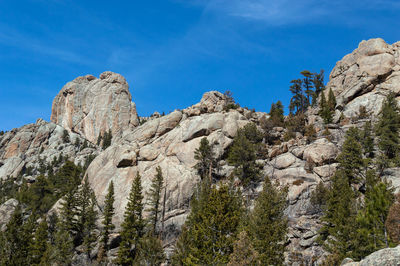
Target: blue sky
x=172, y=51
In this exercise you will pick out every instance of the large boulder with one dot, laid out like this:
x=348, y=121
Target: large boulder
x=384, y=257
x=320, y=152
x=92, y=106
x=6, y=211
x=366, y=76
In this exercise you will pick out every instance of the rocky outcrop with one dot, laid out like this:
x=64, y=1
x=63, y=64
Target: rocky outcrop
x=383, y=257
x=366, y=76
x=6, y=211
x=24, y=150
x=91, y=106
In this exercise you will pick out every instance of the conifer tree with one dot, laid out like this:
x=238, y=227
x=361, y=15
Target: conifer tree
x=210, y=230
x=276, y=114
x=387, y=131
x=318, y=82
x=350, y=159
x=331, y=100
x=368, y=140
x=297, y=102
x=68, y=213
x=40, y=242
x=108, y=214
x=242, y=155
x=268, y=224
x=338, y=232
x=155, y=200
x=132, y=226
x=308, y=86
x=371, y=219
x=151, y=251
x=393, y=221
x=325, y=111
x=243, y=252
x=205, y=159
x=62, y=251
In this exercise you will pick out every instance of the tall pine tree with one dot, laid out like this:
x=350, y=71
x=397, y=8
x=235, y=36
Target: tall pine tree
x=155, y=200
x=108, y=213
x=268, y=224
x=132, y=226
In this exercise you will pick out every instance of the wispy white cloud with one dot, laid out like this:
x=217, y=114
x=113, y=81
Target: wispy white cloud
x=283, y=12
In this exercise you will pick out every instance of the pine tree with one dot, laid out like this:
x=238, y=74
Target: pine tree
x=108, y=214
x=371, y=219
x=350, y=159
x=155, y=200
x=297, y=102
x=368, y=140
x=308, y=86
x=243, y=252
x=276, y=114
x=40, y=242
x=331, y=100
x=68, y=213
x=242, y=155
x=132, y=226
x=151, y=251
x=268, y=224
x=318, y=82
x=325, y=111
x=86, y=216
x=62, y=251
x=205, y=158
x=339, y=219
x=210, y=230
x=387, y=131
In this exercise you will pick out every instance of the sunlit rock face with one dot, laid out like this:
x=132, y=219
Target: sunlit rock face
x=365, y=76
x=92, y=106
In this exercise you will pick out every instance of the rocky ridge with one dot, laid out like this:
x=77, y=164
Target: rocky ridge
x=362, y=78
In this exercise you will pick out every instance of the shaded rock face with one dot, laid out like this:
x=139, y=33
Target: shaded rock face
x=366, y=76
x=384, y=257
x=28, y=146
x=91, y=106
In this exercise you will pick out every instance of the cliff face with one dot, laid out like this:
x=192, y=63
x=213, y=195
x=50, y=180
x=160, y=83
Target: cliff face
x=87, y=107
x=91, y=106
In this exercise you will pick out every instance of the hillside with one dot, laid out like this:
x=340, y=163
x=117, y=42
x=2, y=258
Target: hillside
x=94, y=124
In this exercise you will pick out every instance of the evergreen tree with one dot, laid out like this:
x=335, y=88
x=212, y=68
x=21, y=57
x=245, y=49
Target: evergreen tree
x=86, y=216
x=132, y=226
x=268, y=224
x=242, y=155
x=387, y=131
x=243, y=252
x=68, y=213
x=297, y=102
x=368, y=140
x=339, y=219
x=331, y=100
x=308, y=86
x=205, y=159
x=107, y=138
x=108, y=214
x=350, y=159
x=371, y=230
x=39, y=246
x=155, y=200
x=62, y=251
x=318, y=83
x=151, y=251
x=211, y=227
x=276, y=114
x=325, y=111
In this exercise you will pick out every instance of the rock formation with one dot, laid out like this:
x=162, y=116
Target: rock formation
x=366, y=76
x=34, y=144
x=87, y=107
x=91, y=106
x=387, y=257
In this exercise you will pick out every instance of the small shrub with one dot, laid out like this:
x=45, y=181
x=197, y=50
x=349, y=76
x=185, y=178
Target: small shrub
x=362, y=112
